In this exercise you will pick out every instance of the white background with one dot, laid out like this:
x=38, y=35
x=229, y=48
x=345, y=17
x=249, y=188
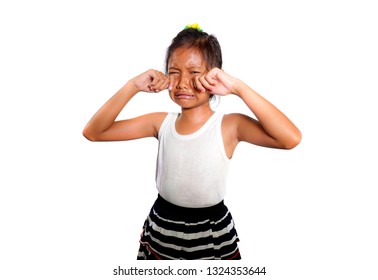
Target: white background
x=73, y=209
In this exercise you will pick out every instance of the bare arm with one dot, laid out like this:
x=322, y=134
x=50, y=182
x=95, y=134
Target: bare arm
x=103, y=127
x=271, y=129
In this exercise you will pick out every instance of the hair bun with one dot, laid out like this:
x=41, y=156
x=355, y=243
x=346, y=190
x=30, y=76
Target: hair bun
x=194, y=26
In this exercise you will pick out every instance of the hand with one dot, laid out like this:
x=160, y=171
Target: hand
x=216, y=81
x=151, y=81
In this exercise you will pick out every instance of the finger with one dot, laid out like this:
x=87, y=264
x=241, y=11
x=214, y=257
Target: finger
x=155, y=82
x=165, y=82
x=161, y=85
x=155, y=78
x=151, y=81
x=210, y=78
x=198, y=85
x=205, y=83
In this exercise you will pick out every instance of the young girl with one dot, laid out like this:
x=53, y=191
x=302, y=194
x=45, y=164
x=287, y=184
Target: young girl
x=189, y=219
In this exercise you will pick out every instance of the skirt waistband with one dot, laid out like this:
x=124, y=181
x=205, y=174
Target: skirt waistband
x=175, y=212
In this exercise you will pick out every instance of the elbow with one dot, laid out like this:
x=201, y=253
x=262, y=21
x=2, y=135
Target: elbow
x=294, y=141
x=89, y=135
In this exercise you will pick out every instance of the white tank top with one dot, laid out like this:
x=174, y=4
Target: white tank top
x=192, y=169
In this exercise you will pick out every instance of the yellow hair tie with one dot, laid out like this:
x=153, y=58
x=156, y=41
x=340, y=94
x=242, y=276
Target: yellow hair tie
x=194, y=26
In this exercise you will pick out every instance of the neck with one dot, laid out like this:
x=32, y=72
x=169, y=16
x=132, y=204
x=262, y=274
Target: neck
x=197, y=114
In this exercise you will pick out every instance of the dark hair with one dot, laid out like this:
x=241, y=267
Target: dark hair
x=206, y=44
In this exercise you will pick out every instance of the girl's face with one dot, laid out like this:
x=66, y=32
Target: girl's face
x=185, y=67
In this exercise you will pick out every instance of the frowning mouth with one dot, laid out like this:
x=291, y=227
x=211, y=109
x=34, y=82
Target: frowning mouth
x=183, y=95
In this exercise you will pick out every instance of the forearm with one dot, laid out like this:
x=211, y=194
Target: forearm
x=106, y=115
x=273, y=121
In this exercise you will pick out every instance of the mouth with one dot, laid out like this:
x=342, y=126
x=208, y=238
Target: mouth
x=184, y=95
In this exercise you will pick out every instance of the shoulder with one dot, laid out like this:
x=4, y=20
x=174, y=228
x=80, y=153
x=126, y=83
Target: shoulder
x=236, y=125
x=157, y=116
x=160, y=120
x=237, y=119
x=233, y=120
x=146, y=125
x=156, y=119
x=229, y=127
x=230, y=124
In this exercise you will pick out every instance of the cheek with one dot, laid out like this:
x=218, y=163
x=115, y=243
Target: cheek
x=171, y=95
x=173, y=80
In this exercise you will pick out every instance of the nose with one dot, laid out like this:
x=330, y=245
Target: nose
x=183, y=82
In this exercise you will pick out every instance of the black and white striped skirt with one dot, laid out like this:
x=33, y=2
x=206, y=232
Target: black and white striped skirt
x=172, y=232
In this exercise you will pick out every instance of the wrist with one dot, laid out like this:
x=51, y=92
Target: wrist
x=131, y=87
x=240, y=88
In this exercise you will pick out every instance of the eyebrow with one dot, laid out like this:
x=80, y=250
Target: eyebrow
x=190, y=67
